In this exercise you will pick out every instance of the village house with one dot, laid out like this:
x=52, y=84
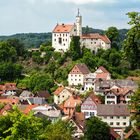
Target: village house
x=90, y=79
x=8, y=89
x=102, y=85
x=89, y=106
x=77, y=74
x=62, y=35
x=70, y=104
x=47, y=111
x=61, y=94
x=117, y=116
x=78, y=122
x=118, y=95
x=95, y=41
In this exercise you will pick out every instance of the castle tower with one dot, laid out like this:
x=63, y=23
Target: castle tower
x=79, y=24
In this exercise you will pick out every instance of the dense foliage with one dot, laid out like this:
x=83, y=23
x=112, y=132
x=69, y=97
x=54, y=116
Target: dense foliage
x=16, y=125
x=132, y=42
x=96, y=129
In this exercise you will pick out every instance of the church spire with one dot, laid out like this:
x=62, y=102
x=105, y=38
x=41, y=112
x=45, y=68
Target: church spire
x=78, y=14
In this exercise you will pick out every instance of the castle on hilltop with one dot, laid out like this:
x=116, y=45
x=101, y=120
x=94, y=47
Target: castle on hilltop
x=62, y=35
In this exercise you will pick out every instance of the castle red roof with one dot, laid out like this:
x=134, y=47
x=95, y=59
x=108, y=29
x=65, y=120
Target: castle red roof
x=96, y=36
x=64, y=28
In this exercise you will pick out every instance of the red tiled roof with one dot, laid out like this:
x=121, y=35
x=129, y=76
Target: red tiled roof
x=127, y=135
x=10, y=101
x=59, y=90
x=80, y=69
x=64, y=28
x=10, y=86
x=103, y=69
x=102, y=75
x=114, y=134
x=96, y=36
x=95, y=98
x=70, y=104
x=29, y=108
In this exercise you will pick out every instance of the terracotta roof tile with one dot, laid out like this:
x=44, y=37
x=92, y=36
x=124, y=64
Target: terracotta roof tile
x=102, y=75
x=95, y=98
x=64, y=28
x=103, y=69
x=10, y=101
x=114, y=134
x=80, y=69
x=127, y=135
x=29, y=108
x=59, y=90
x=96, y=36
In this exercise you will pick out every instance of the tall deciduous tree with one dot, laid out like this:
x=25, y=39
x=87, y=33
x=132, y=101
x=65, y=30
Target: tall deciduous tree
x=113, y=34
x=75, y=50
x=132, y=42
x=97, y=130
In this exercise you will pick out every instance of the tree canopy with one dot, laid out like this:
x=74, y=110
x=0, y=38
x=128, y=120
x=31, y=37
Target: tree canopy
x=97, y=129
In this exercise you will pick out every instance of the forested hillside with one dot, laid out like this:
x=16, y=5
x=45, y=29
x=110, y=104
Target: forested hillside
x=33, y=40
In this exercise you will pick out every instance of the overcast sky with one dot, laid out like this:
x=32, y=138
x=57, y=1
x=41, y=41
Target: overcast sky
x=24, y=16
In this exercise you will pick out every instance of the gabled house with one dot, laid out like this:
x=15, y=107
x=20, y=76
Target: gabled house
x=8, y=89
x=25, y=95
x=89, y=106
x=102, y=85
x=90, y=79
x=77, y=74
x=49, y=111
x=102, y=74
x=78, y=121
x=118, y=95
x=61, y=94
x=117, y=116
x=95, y=41
x=70, y=104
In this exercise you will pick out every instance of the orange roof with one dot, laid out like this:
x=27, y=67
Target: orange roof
x=127, y=135
x=10, y=101
x=114, y=134
x=10, y=86
x=72, y=102
x=59, y=90
x=29, y=108
x=102, y=75
x=95, y=98
x=103, y=69
x=63, y=28
x=1, y=87
x=96, y=36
